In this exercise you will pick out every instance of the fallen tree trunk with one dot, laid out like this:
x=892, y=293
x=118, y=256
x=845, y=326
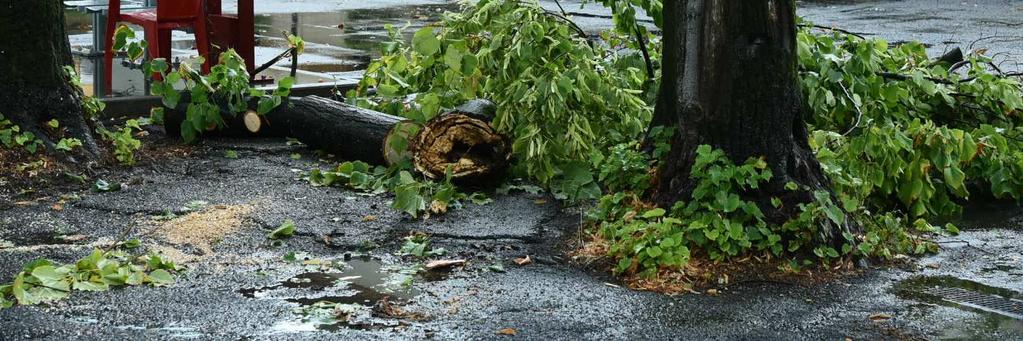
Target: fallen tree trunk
x=461, y=139
x=463, y=142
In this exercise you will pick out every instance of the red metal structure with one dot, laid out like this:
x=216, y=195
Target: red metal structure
x=233, y=31
x=158, y=24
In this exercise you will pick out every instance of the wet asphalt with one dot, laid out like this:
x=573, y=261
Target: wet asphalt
x=552, y=298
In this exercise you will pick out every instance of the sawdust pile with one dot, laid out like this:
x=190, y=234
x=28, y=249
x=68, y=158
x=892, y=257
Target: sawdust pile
x=205, y=228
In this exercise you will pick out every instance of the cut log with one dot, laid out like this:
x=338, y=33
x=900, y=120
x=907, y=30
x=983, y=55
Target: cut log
x=463, y=143
x=252, y=121
x=461, y=139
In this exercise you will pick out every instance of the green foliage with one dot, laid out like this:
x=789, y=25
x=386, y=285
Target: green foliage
x=894, y=126
x=560, y=99
x=43, y=281
x=225, y=89
x=902, y=138
x=418, y=245
x=716, y=220
x=412, y=195
x=12, y=137
x=91, y=105
x=124, y=141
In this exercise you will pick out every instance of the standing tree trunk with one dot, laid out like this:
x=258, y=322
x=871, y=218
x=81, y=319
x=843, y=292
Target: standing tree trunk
x=34, y=87
x=730, y=81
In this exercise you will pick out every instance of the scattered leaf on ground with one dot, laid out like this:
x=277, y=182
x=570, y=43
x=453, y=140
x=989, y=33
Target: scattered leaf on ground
x=194, y=205
x=880, y=317
x=507, y=331
x=230, y=154
x=286, y=230
x=496, y=268
x=443, y=263
x=104, y=186
x=521, y=261
x=369, y=218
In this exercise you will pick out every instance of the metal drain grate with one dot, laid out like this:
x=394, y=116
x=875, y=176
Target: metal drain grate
x=991, y=303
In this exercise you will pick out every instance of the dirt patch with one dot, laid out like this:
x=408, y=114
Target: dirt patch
x=203, y=229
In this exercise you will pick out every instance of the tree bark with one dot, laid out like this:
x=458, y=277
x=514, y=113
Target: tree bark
x=730, y=81
x=34, y=87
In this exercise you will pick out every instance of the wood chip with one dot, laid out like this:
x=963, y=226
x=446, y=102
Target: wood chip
x=522, y=261
x=443, y=263
x=507, y=331
x=879, y=317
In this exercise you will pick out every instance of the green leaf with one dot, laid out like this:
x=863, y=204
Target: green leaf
x=286, y=230
x=654, y=213
x=425, y=42
x=160, y=277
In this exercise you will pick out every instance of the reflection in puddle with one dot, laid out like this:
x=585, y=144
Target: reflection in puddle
x=1001, y=309
x=337, y=41
x=367, y=295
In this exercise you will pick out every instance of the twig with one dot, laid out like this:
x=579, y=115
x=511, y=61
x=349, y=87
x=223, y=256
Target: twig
x=120, y=238
x=859, y=113
x=270, y=63
x=646, y=54
x=569, y=22
x=958, y=65
x=556, y=2
x=858, y=35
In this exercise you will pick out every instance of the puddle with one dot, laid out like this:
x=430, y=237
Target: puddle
x=1001, y=309
x=366, y=295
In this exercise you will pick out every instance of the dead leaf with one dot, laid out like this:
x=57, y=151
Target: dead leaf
x=369, y=218
x=507, y=331
x=713, y=292
x=540, y=201
x=879, y=317
x=524, y=261
x=933, y=265
x=57, y=207
x=443, y=263
x=73, y=238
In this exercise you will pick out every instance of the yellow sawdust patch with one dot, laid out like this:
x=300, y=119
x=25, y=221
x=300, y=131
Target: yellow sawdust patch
x=172, y=254
x=205, y=228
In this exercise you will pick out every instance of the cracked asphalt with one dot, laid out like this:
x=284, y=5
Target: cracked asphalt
x=552, y=298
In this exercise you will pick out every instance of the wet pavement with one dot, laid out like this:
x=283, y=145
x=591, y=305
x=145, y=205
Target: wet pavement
x=340, y=276
x=238, y=285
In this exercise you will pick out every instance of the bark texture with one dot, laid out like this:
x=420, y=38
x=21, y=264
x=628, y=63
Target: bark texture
x=730, y=81
x=34, y=88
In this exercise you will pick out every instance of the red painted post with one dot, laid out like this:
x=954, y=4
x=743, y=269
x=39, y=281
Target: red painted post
x=247, y=33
